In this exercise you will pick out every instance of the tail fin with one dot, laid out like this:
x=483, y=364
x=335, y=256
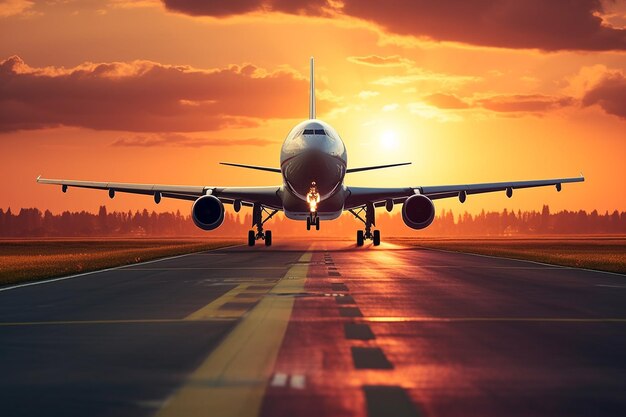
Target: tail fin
x=312, y=91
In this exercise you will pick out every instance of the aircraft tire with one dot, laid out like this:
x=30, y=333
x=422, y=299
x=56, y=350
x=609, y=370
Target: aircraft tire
x=268, y=238
x=359, y=238
x=376, y=237
x=317, y=223
x=251, y=238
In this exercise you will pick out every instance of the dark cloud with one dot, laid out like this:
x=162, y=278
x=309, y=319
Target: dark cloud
x=547, y=25
x=538, y=24
x=146, y=96
x=609, y=93
x=180, y=140
x=445, y=101
x=524, y=103
x=223, y=8
x=380, y=61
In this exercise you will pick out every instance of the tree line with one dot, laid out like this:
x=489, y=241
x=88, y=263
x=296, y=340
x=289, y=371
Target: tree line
x=32, y=222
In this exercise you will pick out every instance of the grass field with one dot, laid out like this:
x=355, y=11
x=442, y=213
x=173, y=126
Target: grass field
x=601, y=253
x=29, y=260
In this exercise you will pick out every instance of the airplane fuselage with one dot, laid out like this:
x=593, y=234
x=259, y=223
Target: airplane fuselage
x=313, y=156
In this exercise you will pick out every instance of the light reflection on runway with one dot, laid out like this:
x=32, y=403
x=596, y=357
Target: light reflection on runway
x=451, y=335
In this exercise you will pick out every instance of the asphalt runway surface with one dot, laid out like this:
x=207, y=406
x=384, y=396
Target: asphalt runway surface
x=318, y=328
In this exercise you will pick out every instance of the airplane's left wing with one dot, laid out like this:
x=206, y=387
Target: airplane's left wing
x=359, y=196
x=267, y=196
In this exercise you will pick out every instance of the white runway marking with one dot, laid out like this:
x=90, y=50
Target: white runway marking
x=298, y=381
x=279, y=380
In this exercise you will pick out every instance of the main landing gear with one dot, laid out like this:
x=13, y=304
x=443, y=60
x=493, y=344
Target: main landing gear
x=369, y=221
x=258, y=221
x=313, y=220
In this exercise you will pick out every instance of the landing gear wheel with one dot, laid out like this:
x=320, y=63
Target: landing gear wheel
x=308, y=223
x=251, y=238
x=359, y=238
x=376, y=237
x=317, y=223
x=268, y=238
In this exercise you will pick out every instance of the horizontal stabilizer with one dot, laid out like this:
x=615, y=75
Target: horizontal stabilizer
x=269, y=169
x=349, y=170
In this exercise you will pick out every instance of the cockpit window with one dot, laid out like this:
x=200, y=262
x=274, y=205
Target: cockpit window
x=314, y=132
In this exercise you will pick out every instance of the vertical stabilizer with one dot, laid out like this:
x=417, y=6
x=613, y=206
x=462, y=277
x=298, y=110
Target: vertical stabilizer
x=312, y=91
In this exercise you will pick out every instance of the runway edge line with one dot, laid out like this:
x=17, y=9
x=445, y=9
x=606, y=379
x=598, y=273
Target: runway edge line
x=113, y=268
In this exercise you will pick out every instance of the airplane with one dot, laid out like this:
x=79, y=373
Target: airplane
x=313, y=165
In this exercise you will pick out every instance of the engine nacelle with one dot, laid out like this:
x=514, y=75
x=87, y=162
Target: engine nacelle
x=207, y=212
x=418, y=211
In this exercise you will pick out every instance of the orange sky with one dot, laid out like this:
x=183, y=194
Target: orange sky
x=153, y=91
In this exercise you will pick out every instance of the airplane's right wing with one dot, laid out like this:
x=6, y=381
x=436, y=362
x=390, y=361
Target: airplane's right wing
x=360, y=196
x=446, y=191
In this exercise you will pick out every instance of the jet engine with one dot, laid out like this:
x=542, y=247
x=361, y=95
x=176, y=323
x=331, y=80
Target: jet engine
x=207, y=212
x=418, y=211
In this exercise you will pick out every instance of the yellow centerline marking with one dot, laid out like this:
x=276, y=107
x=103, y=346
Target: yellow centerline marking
x=232, y=380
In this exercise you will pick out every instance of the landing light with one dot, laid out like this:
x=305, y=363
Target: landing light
x=313, y=197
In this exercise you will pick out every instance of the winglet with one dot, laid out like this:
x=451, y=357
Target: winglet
x=38, y=178
x=312, y=90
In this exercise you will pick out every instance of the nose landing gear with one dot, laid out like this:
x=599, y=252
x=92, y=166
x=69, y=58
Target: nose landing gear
x=369, y=221
x=313, y=220
x=313, y=198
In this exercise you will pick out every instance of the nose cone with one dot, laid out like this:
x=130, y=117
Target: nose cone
x=314, y=166
x=313, y=152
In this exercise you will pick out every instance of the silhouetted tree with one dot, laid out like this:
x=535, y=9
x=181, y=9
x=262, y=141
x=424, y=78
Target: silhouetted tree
x=32, y=222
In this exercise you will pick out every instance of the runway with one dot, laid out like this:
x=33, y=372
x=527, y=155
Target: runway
x=319, y=328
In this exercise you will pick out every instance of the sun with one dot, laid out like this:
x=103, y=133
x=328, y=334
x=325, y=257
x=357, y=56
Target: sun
x=389, y=139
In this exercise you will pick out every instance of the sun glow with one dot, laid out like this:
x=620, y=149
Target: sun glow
x=389, y=140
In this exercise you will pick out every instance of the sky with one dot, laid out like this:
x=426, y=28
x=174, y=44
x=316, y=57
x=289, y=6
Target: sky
x=161, y=91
